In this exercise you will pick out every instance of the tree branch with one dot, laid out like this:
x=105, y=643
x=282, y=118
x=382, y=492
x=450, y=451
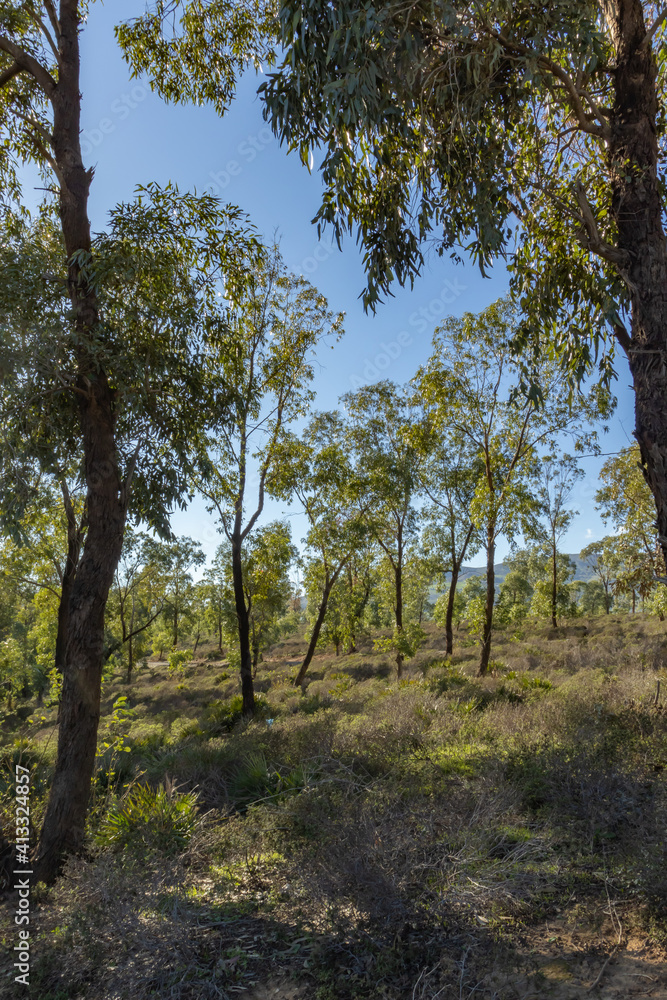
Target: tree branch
x=143, y=627
x=590, y=237
x=648, y=37
x=34, y=583
x=623, y=337
x=53, y=16
x=49, y=38
x=586, y=124
x=29, y=64
x=9, y=73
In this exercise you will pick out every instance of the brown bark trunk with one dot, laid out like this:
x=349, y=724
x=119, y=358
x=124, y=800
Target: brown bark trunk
x=554, y=584
x=74, y=536
x=398, y=573
x=637, y=208
x=449, y=614
x=457, y=562
x=64, y=822
x=243, y=620
x=490, y=598
x=317, y=628
x=130, y=646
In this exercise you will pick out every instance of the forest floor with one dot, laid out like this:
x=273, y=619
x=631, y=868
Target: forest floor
x=443, y=836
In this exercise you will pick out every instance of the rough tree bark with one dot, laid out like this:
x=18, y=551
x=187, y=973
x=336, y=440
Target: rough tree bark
x=638, y=211
x=74, y=537
x=106, y=496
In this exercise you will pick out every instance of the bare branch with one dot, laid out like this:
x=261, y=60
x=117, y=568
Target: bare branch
x=623, y=337
x=648, y=37
x=49, y=37
x=53, y=16
x=590, y=236
x=9, y=73
x=29, y=64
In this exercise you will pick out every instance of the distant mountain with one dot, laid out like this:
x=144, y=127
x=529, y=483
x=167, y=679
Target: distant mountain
x=583, y=573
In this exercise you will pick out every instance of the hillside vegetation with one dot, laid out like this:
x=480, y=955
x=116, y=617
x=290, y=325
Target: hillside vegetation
x=446, y=835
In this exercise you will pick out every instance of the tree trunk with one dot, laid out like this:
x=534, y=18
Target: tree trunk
x=554, y=584
x=398, y=574
x=106, y=500
x=74, y=534
x=317, y=628
x=637, y=209
x=490, y=598
x=449, y=615
x=243, y=620
x=130, y=646
x=457, y=562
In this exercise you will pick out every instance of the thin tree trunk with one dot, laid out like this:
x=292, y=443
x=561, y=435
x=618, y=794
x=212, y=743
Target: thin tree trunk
x=130, y=647
x=317, y=628
x=106, y=500
x=398, y=574
x=490, y=598
x=453, y=583
x=554, y=584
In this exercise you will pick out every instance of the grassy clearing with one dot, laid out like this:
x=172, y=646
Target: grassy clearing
x=443, y=836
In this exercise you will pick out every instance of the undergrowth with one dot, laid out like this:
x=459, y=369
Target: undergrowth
x=360, y=825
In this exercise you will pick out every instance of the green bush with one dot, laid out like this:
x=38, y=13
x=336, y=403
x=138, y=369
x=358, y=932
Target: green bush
x=178, y=659
x=162, y=819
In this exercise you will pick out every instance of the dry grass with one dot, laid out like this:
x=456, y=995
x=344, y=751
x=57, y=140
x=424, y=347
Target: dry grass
x=365, y=838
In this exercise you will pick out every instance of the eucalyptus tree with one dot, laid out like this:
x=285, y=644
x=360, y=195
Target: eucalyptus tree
x=156, y=272
x=265, y=361
x=267, y=557
x=100, y=347
x=531, y=132
x=449, y=479
x=625, y=502
x=470, y=385
x=135, y=600
x=217, y=594
x=602, y=558
x=172, y=562
x=558, y=477
x=316, y=470
x=268, y=588
x=382, y=420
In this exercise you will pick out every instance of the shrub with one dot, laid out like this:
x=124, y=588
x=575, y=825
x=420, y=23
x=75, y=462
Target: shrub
x=178, y=659
x=162, y=818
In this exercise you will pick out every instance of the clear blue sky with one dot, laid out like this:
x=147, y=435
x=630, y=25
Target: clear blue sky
x=132, y=137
